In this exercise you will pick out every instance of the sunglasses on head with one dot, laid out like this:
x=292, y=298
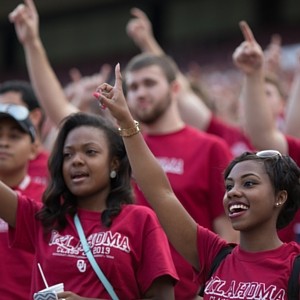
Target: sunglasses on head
x=18, y=112
x=268, y=154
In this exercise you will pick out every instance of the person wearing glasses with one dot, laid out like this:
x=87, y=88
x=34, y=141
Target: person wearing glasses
x=262, y=195
x=17, y=148
x=258, y=119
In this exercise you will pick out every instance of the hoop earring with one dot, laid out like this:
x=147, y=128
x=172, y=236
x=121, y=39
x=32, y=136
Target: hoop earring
x=113, y=174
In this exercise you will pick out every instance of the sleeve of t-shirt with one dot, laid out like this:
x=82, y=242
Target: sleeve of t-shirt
x=208, y=245
x=23, y=236
x=216, y=127
x=233, y=136
x=293, y=148
x=156, y=260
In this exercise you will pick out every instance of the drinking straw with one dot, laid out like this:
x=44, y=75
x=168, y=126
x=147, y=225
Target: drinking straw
x=42, y=274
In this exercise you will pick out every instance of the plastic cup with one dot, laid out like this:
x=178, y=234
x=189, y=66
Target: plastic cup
x=49, y=293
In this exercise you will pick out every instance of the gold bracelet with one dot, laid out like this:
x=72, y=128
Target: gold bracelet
x=126, y=132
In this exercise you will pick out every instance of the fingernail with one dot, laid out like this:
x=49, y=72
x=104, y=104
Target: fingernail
x=102, y=106
x=96, y=95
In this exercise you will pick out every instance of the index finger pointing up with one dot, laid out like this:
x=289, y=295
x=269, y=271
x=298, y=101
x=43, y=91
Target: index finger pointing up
x=276, y=40
x=247, y=33
x=31, y=5
x=138, y=13
x=118, y=76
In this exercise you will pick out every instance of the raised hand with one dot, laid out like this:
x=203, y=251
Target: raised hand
x=26, y=21
x=79, y=91
x=248, y=57
x=273, y=55
x=113, y=98
x=139, y=29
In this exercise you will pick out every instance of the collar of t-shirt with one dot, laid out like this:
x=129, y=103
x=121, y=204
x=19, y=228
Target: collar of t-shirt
x=23, y=184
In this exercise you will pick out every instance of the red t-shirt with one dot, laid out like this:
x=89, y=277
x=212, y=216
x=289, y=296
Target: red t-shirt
x=233, y=136
x=132, y=253
x=194, y=162
x=245, y=275
x=16, y=264
x=291, y=232
x=38, y=168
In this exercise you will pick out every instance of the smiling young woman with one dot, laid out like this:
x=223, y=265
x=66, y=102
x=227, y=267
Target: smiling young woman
x=264, y=190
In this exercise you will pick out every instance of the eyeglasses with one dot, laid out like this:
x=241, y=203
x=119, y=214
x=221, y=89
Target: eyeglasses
x=268, y=154
x=18, y=112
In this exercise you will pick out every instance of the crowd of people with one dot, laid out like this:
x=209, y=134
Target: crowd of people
x=160, y=176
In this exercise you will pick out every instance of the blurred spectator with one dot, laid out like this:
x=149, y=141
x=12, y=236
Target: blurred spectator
x=21, y=93
x=259, y=119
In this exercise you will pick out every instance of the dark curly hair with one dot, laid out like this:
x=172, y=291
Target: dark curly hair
x=284, y=174
x=57, y=198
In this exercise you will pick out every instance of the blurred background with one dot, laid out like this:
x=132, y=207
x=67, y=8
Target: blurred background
x=88, y=33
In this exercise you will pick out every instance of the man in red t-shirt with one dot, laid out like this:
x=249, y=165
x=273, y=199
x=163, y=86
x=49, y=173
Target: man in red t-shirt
x=17, y=136
x=193, y=160
x=21, y=93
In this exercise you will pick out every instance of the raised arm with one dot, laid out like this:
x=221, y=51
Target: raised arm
x=272, y=56
x=192, y=108
x=80, y=90
x=258, y=119
x=293, y=107
x=8, y=204
x=46, y=85
x=139, y=29
x=179, y=226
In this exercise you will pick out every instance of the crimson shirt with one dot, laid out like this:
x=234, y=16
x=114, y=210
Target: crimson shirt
x=132, y=253
x=38, y=168
x=16, y=264
x=233, y=136
x=245, y=275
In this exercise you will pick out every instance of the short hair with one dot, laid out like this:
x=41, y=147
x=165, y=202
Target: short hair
x=143, y=60
x=27, y=94
x=284, y=174
x=25, y=89
x=272, y=79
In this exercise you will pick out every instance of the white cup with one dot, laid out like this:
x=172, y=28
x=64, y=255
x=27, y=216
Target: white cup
x=49, y=293
x=54, y=288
